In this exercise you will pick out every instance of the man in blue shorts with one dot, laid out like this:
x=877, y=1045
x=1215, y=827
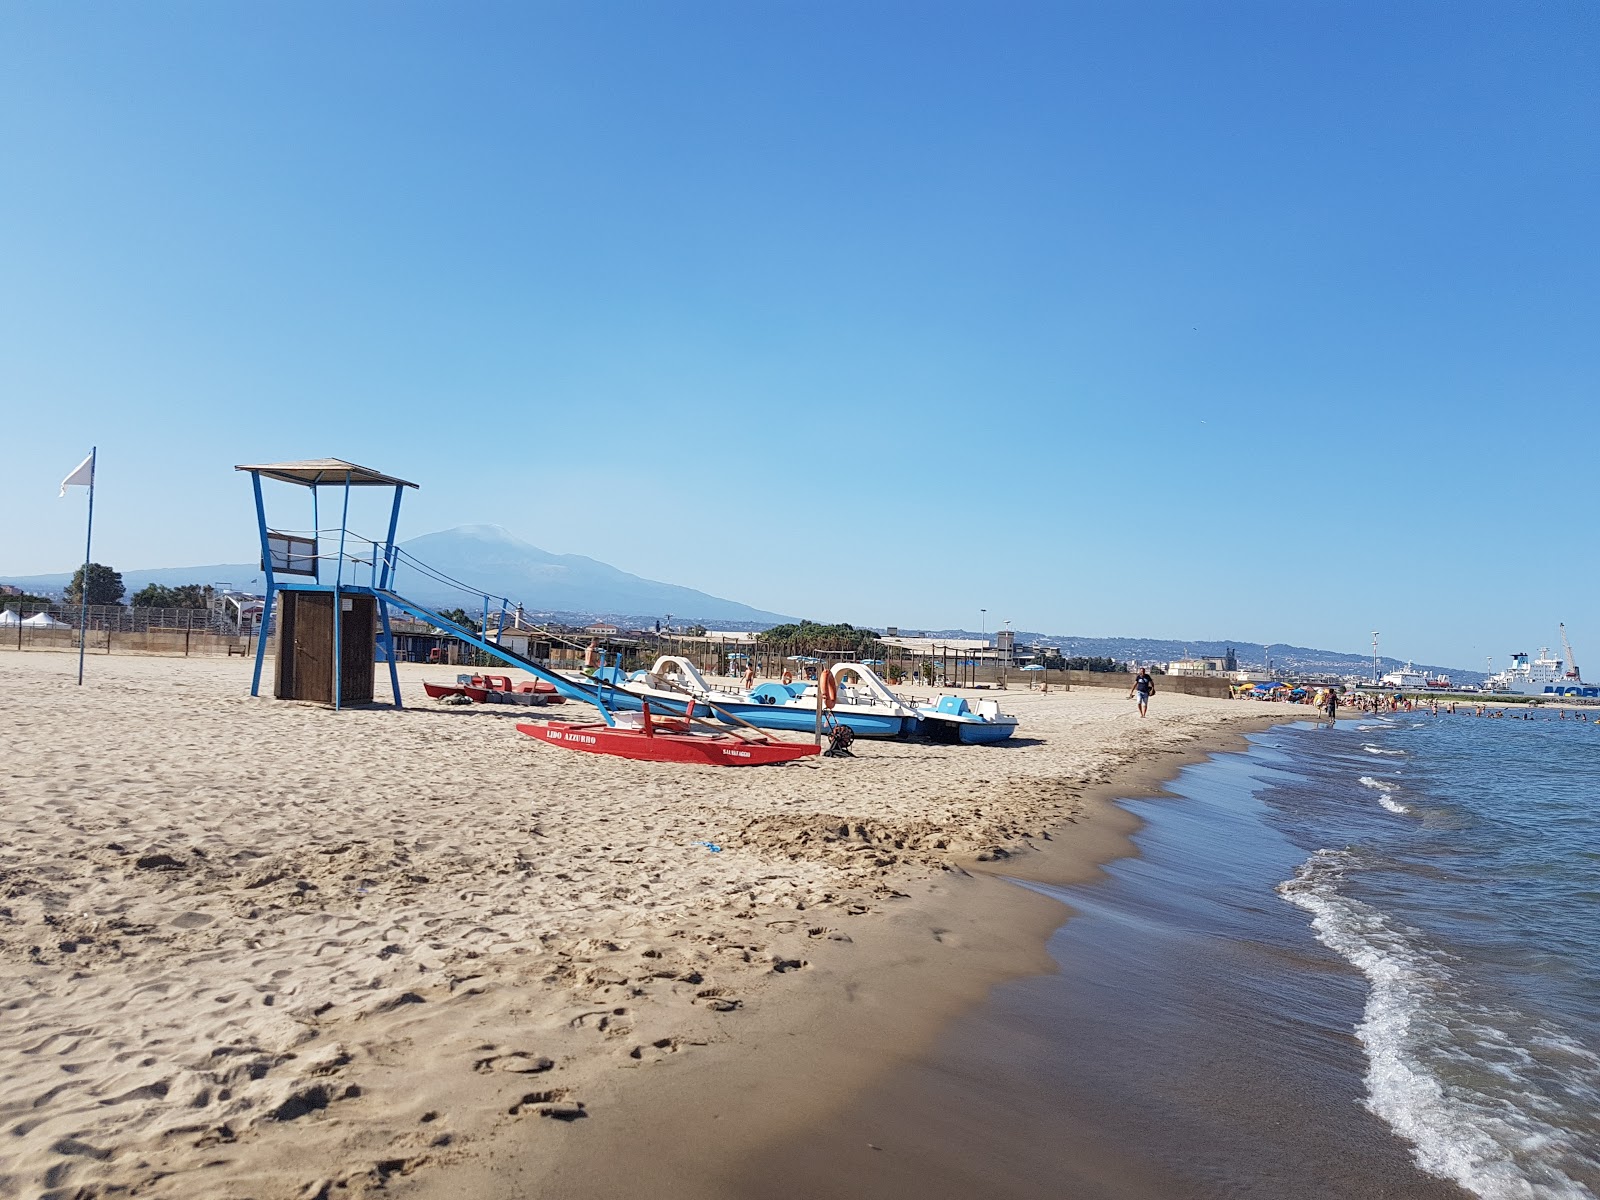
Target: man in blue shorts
x=1143, y=685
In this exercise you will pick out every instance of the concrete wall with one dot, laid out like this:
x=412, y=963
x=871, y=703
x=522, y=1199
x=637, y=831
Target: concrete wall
x=1188, y=685
x=175, y=642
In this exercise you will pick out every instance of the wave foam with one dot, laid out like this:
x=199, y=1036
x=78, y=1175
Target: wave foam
x=1494, y=1145
x=1385, y=792
x=1371, y=749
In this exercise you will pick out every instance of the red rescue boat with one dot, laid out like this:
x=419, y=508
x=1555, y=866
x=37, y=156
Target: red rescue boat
x=667, y=739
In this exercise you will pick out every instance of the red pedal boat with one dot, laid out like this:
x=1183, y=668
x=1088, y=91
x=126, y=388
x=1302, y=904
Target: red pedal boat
x=439, y=691
x=500, y=690
x=666, y=739
x=496, y=689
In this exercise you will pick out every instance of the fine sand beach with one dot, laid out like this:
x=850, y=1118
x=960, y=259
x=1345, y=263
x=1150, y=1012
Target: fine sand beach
x=252, y=948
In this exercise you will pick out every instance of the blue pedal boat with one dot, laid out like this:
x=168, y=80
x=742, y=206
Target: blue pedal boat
x=953, y=720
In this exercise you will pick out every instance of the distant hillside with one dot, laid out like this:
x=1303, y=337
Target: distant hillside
x=561, y=586
x=1252, y=655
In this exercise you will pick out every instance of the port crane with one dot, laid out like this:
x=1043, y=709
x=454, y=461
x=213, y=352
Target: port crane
x=1572, y=663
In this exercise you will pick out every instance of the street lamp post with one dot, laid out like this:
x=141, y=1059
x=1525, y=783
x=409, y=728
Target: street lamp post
x=1374, y=657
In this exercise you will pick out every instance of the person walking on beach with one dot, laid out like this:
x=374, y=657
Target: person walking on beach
x=1333, y=704
x=1143, y=685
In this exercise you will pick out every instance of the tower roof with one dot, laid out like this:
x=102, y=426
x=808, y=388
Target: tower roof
x=318, y=472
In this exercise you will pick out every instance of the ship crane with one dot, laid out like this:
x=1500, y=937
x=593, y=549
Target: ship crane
x=1572, y=663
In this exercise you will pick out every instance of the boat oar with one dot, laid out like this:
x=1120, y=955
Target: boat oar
x=727, y=716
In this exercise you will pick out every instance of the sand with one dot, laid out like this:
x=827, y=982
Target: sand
x=259, y=949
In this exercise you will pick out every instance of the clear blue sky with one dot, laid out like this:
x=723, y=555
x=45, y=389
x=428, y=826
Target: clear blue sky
x=1109, y=318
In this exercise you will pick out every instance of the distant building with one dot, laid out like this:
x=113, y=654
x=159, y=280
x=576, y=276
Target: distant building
x=1210, y=665
x=1005, y=645
x=601, y=629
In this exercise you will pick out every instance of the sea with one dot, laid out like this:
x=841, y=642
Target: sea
x=1461, y=877
x=1353, y=960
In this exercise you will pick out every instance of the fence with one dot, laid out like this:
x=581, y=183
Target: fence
x=115, y=629
x=183, y=642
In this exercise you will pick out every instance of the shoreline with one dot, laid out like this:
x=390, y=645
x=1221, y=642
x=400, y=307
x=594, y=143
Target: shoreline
x=878, y=1005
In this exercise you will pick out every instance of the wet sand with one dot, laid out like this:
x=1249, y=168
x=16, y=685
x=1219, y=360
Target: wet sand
x=1196, y=1042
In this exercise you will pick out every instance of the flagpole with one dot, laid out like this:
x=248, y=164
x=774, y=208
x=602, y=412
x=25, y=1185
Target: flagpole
x=83, y=592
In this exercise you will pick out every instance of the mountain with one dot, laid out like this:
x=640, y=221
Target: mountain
x=490, y=558
x=558, y=584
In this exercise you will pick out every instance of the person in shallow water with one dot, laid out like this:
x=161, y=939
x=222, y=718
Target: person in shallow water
x=1143, y=685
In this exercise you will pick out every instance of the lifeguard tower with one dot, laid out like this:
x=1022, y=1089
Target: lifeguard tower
x=330, y=619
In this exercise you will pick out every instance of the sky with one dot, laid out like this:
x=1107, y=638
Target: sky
x=1197, y=320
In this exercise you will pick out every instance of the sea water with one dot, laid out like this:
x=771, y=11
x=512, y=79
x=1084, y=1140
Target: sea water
x=1461, y=876
x=1352, y=960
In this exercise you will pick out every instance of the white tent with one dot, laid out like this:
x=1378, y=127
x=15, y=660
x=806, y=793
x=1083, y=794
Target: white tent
x=9, y=617
x=43, y=620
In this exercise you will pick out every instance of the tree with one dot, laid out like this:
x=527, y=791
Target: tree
x=459, y=617
x=21, y=600
x=187, y=595
x=811, y=635
x=105, y=586
x=1101, y=665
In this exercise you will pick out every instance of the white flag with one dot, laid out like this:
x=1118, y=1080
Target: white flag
x=82, y=475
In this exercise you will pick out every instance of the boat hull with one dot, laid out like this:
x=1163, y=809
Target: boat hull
x=438, y=691
x=804, y=719
x=704, y=749
x=986, y=733
x=967, y=733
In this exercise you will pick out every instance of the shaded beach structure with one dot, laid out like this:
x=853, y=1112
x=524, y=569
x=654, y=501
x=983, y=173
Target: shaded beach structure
x=329, y=626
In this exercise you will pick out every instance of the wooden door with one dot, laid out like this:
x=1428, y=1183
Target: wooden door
x=305, y=647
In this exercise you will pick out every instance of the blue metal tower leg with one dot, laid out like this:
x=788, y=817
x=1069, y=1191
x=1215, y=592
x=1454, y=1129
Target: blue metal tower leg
x=388, y=546
x=266, y=571
x=261, y=642
x=338, y=607
x=388, y=649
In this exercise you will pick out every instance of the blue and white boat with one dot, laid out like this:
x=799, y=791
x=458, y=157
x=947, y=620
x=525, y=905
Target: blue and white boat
x=953, y=720
x=864, y=702
x=670, y=686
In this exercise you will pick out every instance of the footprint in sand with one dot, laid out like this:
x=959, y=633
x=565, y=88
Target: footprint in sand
x=516, y=1062
x=717, y=999
x=555, y=1103
x=612, y=1023
x=660, y=1049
